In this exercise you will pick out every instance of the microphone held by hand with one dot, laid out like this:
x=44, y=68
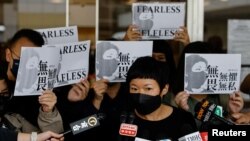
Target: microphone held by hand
x=85, y=123
x=204, y=111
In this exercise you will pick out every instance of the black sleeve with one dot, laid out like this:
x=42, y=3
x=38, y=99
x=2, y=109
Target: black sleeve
x=7, y=135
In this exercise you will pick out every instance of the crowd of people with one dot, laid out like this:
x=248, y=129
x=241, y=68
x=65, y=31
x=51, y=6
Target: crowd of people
x=153, y=97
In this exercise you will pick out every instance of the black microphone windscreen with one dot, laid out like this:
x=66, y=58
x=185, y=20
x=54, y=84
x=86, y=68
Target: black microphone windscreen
x=197, y=107
x=123, y=117
x=205, y=112
x=131, y=118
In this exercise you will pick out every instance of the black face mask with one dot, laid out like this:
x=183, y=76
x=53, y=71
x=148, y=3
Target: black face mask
x=145, y=104
x=15, y=67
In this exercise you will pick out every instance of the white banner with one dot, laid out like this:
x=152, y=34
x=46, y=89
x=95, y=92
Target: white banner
x=212, y=73
x=113, y=58
x=37, y=70
x=158, y=20
x=59, y=35
x=74, y=62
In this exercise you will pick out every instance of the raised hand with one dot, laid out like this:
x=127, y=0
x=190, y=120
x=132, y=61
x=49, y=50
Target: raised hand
x=79, y=91
x=132, y=34
x=236, y=102
x=47, y=100
x=181, y=99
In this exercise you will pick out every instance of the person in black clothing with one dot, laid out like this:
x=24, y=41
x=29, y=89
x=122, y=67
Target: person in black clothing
x=233, y=103
x=111, y=99
x=148, y=82
x=75, y=103
x=102, y=98
x=21, y=105
x=26, y=113
x=78, y=101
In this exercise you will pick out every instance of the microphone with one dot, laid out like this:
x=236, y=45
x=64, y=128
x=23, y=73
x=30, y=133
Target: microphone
x=131, y=118
x=123, y=117
x=189, y=134
x=204, y=136
x=85, y=124
x=127, y=128
x=195, y=136
x=204, y=111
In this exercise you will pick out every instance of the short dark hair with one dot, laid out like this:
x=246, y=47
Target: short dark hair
x=34, y=36
x=148, y=68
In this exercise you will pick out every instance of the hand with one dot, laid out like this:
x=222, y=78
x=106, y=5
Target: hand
x=181, y=99
x=100, y=88
x=241, y=118
x=182, y=36
x=235, y=103
x=50, y=136
x=48, y=100
x=132, y=34
x=79, y=91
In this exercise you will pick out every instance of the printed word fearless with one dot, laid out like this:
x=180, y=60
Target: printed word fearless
x=216, y=132
x=70, y=76
x=162, y=32
x=158, y=9
x=58, y=33
x=74, y=48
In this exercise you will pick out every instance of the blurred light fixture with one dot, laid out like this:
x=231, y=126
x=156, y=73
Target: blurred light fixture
x=57, y=1
x=206, y=3
x=2, y=28
x=130, y=1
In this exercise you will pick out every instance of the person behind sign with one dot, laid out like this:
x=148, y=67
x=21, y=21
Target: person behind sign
x=99, y=96
x=109, y=98
x=148, y=82
x=28, y=113
x=75, y=102
x=232, y=103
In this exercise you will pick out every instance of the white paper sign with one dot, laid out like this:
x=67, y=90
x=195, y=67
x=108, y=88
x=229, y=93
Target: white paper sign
x=113, y=58
x=212, y=73
x=59, y=35
x=158, y=20
x=74, y=62
x=238, y=38
x=37, y=70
